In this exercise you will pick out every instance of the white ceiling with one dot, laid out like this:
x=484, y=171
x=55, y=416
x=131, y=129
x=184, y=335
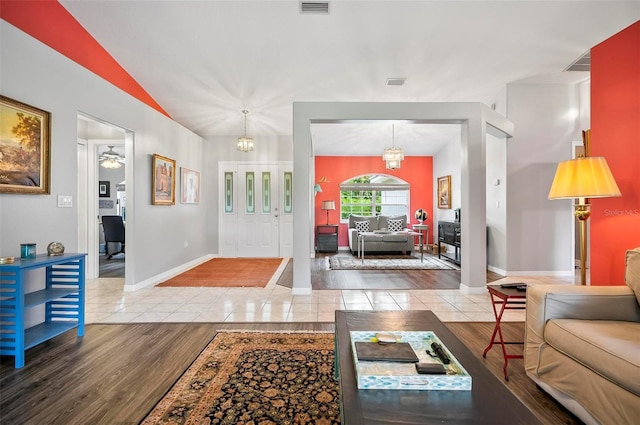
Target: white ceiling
x=204, y=61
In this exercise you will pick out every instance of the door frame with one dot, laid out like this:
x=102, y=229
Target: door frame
x=88, y=219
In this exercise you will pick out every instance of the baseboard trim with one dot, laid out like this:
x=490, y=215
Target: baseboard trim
x=301, y=291
x=154, y=280
x=555, y=273
x=473, y=290
x=497, y=270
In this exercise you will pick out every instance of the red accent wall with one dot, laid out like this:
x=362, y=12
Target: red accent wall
x=416, y=170
x=615, y=135
x=49, y=22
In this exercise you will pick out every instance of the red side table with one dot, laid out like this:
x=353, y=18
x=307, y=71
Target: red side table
x=508, y=298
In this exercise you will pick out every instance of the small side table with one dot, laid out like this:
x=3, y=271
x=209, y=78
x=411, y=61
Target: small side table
x=422, y=228
x=327, y=238
x=508, y=298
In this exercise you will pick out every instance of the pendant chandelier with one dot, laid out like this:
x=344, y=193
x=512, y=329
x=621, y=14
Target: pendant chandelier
x=393, y=156
x=110, y=159
x=245, y=143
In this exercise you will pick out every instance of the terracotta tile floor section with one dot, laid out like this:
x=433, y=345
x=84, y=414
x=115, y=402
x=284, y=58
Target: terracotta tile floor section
x=106, y=302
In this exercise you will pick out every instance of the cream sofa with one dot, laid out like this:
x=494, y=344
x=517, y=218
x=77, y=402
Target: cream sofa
x=582, y=346
x=383, y=240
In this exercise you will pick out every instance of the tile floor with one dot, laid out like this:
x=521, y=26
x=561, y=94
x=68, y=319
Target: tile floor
x=106, y=302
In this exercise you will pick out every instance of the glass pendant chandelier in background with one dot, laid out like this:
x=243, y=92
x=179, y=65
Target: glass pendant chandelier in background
x=393, y=156
x=245, y=143
x=110, y=159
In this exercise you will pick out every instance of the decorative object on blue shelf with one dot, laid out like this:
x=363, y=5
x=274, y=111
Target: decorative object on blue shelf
x=421, y=215
x=27, y=250
x=55, y=248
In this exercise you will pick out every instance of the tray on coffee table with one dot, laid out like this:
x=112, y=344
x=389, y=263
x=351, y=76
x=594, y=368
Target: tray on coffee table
x=403, y=376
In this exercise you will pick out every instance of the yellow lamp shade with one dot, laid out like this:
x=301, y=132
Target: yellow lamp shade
x=583, y=178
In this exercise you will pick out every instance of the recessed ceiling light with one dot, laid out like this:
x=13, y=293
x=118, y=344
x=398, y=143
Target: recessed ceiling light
x=395, y=81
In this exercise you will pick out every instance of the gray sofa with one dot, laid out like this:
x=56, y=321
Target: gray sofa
x=383, y=239
x=582, y=346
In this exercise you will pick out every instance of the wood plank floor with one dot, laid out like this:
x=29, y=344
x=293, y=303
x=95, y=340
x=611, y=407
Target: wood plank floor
x=476, y=336
x=116, y=374
x=113, y=267
x=322, y=278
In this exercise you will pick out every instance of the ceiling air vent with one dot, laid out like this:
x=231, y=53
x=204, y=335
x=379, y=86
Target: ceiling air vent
x=395, y=81
x=315, y=7
x=583, y=63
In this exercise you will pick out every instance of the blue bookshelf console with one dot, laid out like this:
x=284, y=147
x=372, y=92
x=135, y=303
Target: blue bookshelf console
x=63, y=298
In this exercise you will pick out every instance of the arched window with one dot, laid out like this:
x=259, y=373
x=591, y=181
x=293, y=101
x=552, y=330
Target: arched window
x=372, y=195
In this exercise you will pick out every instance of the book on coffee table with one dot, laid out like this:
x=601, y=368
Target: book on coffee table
x=394, y=352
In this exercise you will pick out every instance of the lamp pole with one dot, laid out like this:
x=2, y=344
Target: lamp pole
x=582, y=214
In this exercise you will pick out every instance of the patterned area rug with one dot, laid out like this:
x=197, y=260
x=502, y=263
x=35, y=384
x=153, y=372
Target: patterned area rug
x=256, y=378
x=406, y=262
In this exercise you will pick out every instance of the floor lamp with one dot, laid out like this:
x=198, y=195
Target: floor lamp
x=583, y=178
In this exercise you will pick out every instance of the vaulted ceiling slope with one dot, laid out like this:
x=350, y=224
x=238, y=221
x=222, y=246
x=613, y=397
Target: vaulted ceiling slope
x=205, y=61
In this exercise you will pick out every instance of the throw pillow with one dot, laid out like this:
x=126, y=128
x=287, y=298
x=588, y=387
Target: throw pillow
x=394, y=225
x=361, y=226
x=632, y=271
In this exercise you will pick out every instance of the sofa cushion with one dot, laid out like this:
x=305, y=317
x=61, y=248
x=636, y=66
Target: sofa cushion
x=373, y=221
x=373, y=238
x=383, y=220
x=394, y=225
x=395, y=237
x=609, y=348
x=361, y=226
x=632, y=271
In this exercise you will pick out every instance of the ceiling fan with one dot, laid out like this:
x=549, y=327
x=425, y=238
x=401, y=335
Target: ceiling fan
x=111, y=159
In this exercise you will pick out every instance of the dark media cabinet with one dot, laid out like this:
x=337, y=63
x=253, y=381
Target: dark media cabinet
x=449, y=234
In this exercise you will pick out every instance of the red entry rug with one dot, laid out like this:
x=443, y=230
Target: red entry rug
x=230, y=272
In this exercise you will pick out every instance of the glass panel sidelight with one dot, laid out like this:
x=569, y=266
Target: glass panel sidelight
x=228, y=192
x=250, y=179
x=288, y=190
x=266, y=192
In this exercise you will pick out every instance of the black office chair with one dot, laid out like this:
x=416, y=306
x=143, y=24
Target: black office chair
x=113, y=234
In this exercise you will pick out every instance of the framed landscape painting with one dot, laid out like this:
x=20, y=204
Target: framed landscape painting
x=24, y=148
x=444, y=192
x=164, y=180
x=190, y=186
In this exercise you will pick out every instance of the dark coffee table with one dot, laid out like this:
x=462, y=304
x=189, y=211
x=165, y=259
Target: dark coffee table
x=489, y=401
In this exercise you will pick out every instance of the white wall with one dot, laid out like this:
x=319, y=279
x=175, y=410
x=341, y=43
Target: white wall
x=446, y=162
x=37, y=75
x=223, y=148
x=547, y=120
x=497, y=203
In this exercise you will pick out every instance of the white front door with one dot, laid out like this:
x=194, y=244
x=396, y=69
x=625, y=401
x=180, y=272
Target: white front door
x=255, y=209
x=258, y=210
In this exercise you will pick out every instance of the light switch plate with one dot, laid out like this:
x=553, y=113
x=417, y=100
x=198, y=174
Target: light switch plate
x=65, y=201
